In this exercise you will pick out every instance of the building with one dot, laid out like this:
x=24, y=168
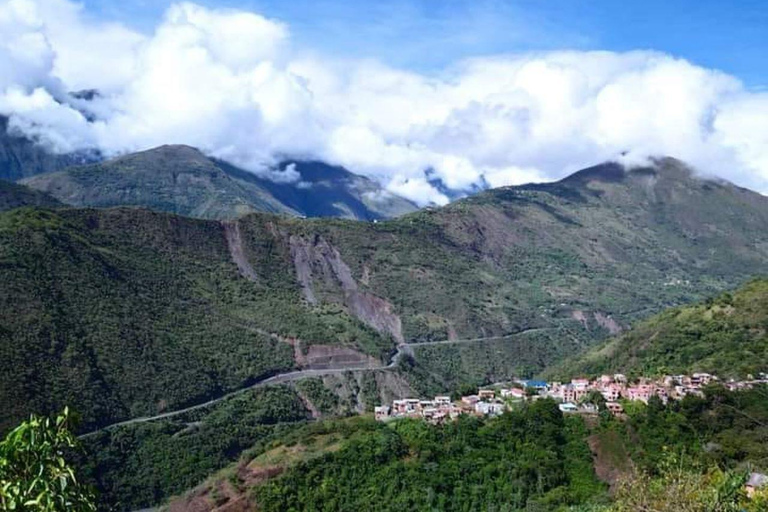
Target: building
x=568, y=407
x=611, y=393
x=470, y=400
x=756, y=482
x=382, y=412
x=486, y=394
x=514, y=393
x=489, y=408
x=535, y=384
x=581, y=384
x=614, y=408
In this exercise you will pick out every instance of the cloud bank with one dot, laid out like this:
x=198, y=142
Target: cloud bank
x=231, y=83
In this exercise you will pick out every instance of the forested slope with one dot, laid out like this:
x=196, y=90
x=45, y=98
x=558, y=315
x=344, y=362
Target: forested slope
x=726, y=335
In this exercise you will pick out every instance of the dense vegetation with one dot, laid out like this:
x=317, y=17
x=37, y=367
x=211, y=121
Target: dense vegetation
x=122, y=313
x=15, y=196
x=533, y=457
x=692, y=455
x=35, y=474
x=726, y=335
x=142, y=465
x=127, y=312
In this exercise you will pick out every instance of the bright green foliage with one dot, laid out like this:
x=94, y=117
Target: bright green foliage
x=531, y=458
x=727, y=335
x=141, y=465
x=34, y=471
x=127, y=313
x=681, y=486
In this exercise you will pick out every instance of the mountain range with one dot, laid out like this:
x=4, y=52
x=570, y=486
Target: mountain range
x=182, y=180
x=129, y=312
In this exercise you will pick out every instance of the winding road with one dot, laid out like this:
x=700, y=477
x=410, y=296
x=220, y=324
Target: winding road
x=281, y=378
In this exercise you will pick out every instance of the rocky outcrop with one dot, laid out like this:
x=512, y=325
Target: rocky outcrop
x=601, y=319
x=318, y=262
x=235, y=244
x=607, y=322
x=324, y=357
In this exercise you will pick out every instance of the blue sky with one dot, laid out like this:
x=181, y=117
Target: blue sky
x=427, y=35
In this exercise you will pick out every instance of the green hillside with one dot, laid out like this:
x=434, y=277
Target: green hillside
x=123, y=313
x=180, y=179
x=727, y=336
x=126, y=312
x=15, y=196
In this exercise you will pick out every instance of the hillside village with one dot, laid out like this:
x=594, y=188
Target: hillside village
x=576, y=396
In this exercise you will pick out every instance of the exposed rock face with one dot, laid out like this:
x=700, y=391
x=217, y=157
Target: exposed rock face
x=601, y=319
x=580, y=317
x=317, y=261
x=323, y=357
x=607, y=322
x=235, y=244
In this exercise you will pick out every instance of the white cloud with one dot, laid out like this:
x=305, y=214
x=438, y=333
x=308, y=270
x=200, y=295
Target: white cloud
x=230, y=83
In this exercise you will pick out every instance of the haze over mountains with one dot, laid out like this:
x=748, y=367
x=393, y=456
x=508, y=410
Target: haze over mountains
x=180, y=179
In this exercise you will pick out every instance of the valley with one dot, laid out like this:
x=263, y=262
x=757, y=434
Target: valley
x=162, y=330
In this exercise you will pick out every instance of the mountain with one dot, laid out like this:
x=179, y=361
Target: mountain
x=15, y=196
x=180, y=179
x=126, y=312
x=21, y=157
x=727, y=336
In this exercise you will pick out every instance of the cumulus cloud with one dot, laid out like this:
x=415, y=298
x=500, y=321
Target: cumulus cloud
x=231, y=83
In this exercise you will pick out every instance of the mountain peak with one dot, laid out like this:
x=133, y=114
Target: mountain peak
x=161, y=155
x=664, y=168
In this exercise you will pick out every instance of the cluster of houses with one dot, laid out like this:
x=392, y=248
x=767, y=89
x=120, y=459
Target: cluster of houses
x=572, y=396
x=616, y=387
x=484, y=403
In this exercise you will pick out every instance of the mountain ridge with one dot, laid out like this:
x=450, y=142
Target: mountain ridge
x=105, y=296
x=181, y=179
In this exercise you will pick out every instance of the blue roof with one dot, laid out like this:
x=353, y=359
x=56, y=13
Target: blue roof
x=535, y=383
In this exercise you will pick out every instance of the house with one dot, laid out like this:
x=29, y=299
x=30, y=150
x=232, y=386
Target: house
x=568, y=407
x=620, y=378
x=614, y=408
x=470, y=400
x=514, y=393
x=570, y=393
x=381, y=413
x=702, y=379
x=605, y=380
x=581, y=384
x=535, y=384
x=489, y=408
x=442, y=401
x=486, y=394
x=756, y=482
x=611, y=393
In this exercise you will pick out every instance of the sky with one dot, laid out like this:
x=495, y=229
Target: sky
x=427, y=35
x=487, y=91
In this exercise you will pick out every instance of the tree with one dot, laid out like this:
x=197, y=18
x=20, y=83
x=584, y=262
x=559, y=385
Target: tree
x=34, y=473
